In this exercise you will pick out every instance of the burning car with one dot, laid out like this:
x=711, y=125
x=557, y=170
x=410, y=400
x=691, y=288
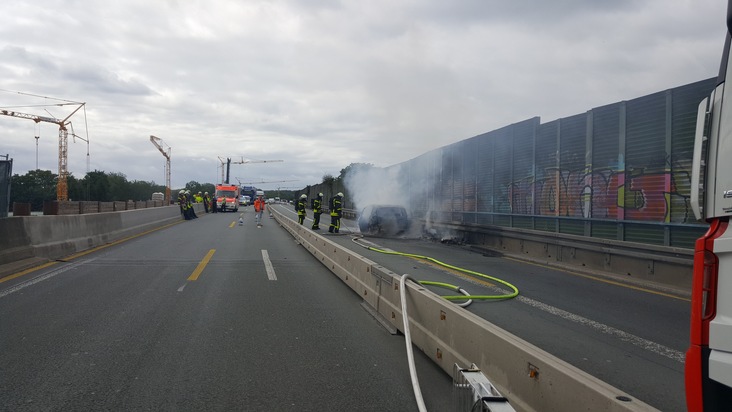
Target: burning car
x=385, y=220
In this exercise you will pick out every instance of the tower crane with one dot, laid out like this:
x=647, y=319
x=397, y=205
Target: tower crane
x=228, y=163
x=158, y=142
x=62, y=189
x=263, y=182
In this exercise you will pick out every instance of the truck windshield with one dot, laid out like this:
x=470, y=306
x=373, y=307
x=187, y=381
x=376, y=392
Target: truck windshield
x=225, y=193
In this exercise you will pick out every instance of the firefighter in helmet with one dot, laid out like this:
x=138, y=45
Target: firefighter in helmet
x=317, y=210
x=183, y=204
x=300, y=208
x=336, y=211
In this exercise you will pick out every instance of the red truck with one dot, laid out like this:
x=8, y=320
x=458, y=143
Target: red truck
x=708, y=371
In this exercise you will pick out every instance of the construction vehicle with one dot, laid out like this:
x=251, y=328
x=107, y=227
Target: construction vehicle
x=227, y=198
x=708, y=366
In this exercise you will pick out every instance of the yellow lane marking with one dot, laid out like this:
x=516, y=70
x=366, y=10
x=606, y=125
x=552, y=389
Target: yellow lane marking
x=202, y=265
x=600, y=279
x=27, y=271
x=233, y=224
x=86, y=252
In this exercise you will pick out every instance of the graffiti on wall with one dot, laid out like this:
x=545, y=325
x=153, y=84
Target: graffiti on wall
x=647, y=194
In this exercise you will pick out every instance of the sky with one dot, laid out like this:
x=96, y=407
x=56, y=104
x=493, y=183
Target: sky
x=322, y=84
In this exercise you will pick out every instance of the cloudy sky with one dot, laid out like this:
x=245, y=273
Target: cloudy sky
x=321, y=84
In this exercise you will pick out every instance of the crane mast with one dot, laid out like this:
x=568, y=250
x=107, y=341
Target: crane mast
x=62, y=188
x=158, y=142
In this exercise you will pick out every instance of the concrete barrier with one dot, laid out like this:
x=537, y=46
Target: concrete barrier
x=531, y=378
x=38, y=238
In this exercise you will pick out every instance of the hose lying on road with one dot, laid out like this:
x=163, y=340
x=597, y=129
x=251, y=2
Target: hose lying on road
x=408, y=341
x=405, y=317
x=464, y=295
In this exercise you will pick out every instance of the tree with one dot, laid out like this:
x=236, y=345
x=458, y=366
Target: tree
x=77, y=189
x=37, y=186
x=119, y=187
x=98, y=185
x=140, y=190
x=34, y=187
x=355, y=168
x=193, y=186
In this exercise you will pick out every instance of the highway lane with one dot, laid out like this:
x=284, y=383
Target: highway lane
x=631, y=337
x=192, y=318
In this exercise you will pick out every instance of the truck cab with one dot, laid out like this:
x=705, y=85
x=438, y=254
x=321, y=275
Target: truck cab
x=708, y=366
x=227, y=198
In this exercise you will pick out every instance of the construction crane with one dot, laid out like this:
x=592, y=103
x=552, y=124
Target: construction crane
x=158, y=142
x=262, y=182
x=62, y=188
x=228, y=163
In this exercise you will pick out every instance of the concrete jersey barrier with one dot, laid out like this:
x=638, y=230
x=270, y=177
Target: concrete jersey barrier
x=448, y=334
x=39, y=238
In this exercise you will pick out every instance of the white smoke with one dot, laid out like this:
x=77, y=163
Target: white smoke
x=376, y=186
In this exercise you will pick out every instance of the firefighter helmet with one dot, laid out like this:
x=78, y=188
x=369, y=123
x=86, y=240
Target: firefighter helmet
x=340, y=194
x=303, y=196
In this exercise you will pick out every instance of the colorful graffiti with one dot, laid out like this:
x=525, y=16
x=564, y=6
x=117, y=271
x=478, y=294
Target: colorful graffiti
x=606, y=193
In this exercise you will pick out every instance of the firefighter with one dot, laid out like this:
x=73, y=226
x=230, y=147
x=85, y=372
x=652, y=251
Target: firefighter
x=183, y=203
x=300, y=208
x=336, y=211
x=206, y=201
x=191, y=211
x=317, y=210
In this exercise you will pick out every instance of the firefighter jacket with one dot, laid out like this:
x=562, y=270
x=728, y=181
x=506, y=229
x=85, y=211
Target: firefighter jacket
x=300, y=207
x=317, y=206
x=336, y=208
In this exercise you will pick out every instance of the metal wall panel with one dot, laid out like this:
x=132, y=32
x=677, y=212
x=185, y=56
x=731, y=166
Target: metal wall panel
x=572, y=142
x=485, y=149
x=548, y=176
x=503, y=147
x=470, y=201
x=618, y=172
x=6, y=172
x=645, y=159
x=606, y=166
x=522, y=185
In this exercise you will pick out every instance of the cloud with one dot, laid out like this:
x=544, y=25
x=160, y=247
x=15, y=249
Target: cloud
x=323, y=84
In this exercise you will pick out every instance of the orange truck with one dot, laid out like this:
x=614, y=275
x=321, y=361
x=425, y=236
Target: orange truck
x=227, y=198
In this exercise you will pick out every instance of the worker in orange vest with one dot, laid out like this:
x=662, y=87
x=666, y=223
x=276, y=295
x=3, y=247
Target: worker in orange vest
x=259, y=205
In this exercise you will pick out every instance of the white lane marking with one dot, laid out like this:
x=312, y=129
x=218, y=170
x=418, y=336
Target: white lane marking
x=642, y=343
x=180, y=289
x=41, y=278
x=646, y=344
x=268, y=265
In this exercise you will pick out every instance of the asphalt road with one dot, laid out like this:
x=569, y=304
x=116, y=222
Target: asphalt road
x=137, y=326
x=633, y=337
x=191, y=318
